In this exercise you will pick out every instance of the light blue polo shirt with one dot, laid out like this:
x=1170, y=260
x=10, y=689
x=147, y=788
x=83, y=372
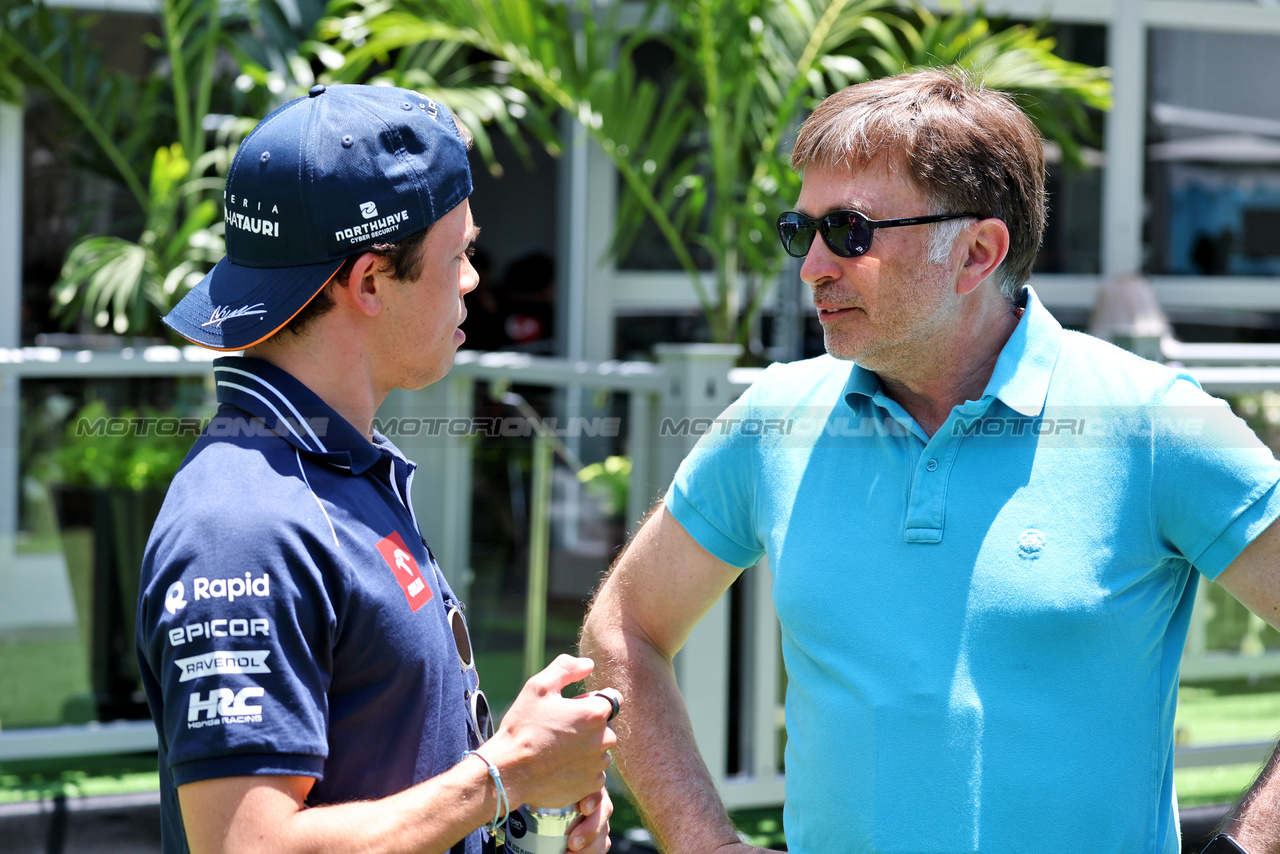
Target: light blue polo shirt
x=982, y=629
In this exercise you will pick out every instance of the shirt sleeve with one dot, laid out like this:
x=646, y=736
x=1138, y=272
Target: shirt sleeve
x=713, y=493
x=236, y=628
x=1214, y=482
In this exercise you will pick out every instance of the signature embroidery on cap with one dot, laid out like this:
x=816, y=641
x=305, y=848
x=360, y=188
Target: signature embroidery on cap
x=221, y=313
x=368, y=210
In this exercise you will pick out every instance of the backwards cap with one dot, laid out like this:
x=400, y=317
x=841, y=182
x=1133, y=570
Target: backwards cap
x=321, y=178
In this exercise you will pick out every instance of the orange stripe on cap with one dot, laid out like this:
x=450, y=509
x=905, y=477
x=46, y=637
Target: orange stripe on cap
x=278, y=328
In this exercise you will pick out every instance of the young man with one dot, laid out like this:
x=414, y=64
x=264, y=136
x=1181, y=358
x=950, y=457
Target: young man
x=307, y=665
x=982, y=619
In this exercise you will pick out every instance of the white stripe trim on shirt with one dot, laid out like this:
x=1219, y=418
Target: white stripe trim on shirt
x=298, y=454
x=280, y=418
x=408, y=488
x=286, y=401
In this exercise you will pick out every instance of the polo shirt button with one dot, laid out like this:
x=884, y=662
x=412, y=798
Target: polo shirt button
x=931, y=465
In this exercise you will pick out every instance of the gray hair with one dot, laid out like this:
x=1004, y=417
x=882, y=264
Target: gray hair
x=942, y=237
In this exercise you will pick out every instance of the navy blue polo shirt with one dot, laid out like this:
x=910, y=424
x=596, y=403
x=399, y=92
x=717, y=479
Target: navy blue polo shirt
x=291, y=619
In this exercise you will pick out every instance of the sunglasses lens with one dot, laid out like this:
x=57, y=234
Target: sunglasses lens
x=461, y=637
x=483, y=717
x=796, y=232
x=846, y=233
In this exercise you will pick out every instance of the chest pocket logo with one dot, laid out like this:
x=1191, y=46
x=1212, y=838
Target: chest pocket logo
x=1030, y=544
x=405, y=569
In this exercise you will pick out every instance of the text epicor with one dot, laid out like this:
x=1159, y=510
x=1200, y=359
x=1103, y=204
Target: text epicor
x=236, y=627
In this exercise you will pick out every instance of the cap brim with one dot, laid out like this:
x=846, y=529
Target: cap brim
x=235, y=307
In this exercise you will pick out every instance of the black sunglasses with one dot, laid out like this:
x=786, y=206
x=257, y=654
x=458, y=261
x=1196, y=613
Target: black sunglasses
x=846, y=233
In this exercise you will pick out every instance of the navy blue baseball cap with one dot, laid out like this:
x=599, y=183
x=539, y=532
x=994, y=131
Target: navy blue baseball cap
x=321, y=178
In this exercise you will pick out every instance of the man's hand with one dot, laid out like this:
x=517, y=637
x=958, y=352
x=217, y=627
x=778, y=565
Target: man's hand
x=591, y=833
x=553, y=751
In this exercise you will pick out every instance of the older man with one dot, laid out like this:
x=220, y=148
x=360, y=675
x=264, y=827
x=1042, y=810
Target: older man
x=985, y=548
x=306, y=662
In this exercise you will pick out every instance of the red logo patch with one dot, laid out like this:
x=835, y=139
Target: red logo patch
x=406, y=571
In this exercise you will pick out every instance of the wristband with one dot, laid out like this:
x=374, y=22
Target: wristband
x=503, y=805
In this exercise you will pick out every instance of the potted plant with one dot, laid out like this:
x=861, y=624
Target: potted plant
x=108, y=479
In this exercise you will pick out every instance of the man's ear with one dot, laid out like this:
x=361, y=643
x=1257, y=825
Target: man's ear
x=362, y=288
x=986, y=245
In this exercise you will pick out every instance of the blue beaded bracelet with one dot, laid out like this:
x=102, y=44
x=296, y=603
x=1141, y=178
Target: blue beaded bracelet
x=503, y=805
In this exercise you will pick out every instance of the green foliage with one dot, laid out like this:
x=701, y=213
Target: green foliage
x=700, y=151
x=167, y=137
x=49, y=51
x=123, y=285
x=102, y=449
x=1261, y=411
x=609, y=480
x=412, y=43
x=1019, y=60
x=170, y=136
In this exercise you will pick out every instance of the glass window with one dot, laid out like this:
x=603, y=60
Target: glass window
x=1213, y=154
x=1072, y=237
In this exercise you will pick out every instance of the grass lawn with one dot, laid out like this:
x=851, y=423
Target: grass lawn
x=43, y=678
x=1219, y=784
x=76, y=776
x=1222, y=713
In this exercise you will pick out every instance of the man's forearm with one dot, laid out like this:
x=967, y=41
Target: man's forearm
x=550, y=750
x=656, y=752
x=252, y=814
x=1255, y=821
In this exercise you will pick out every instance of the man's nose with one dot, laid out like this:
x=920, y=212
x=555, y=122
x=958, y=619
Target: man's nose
x=820, y=263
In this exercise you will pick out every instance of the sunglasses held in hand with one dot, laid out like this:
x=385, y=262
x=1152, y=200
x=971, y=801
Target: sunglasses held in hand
x=846, y=233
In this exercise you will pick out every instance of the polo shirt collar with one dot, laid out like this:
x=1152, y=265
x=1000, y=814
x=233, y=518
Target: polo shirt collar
x=294, y=411
x=1021, y=376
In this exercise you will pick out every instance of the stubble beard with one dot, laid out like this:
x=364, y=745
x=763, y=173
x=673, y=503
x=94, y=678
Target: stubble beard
x=901, y=346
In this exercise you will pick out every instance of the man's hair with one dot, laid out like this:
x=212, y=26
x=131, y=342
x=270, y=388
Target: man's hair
x=402, y=258
x=965, y=147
